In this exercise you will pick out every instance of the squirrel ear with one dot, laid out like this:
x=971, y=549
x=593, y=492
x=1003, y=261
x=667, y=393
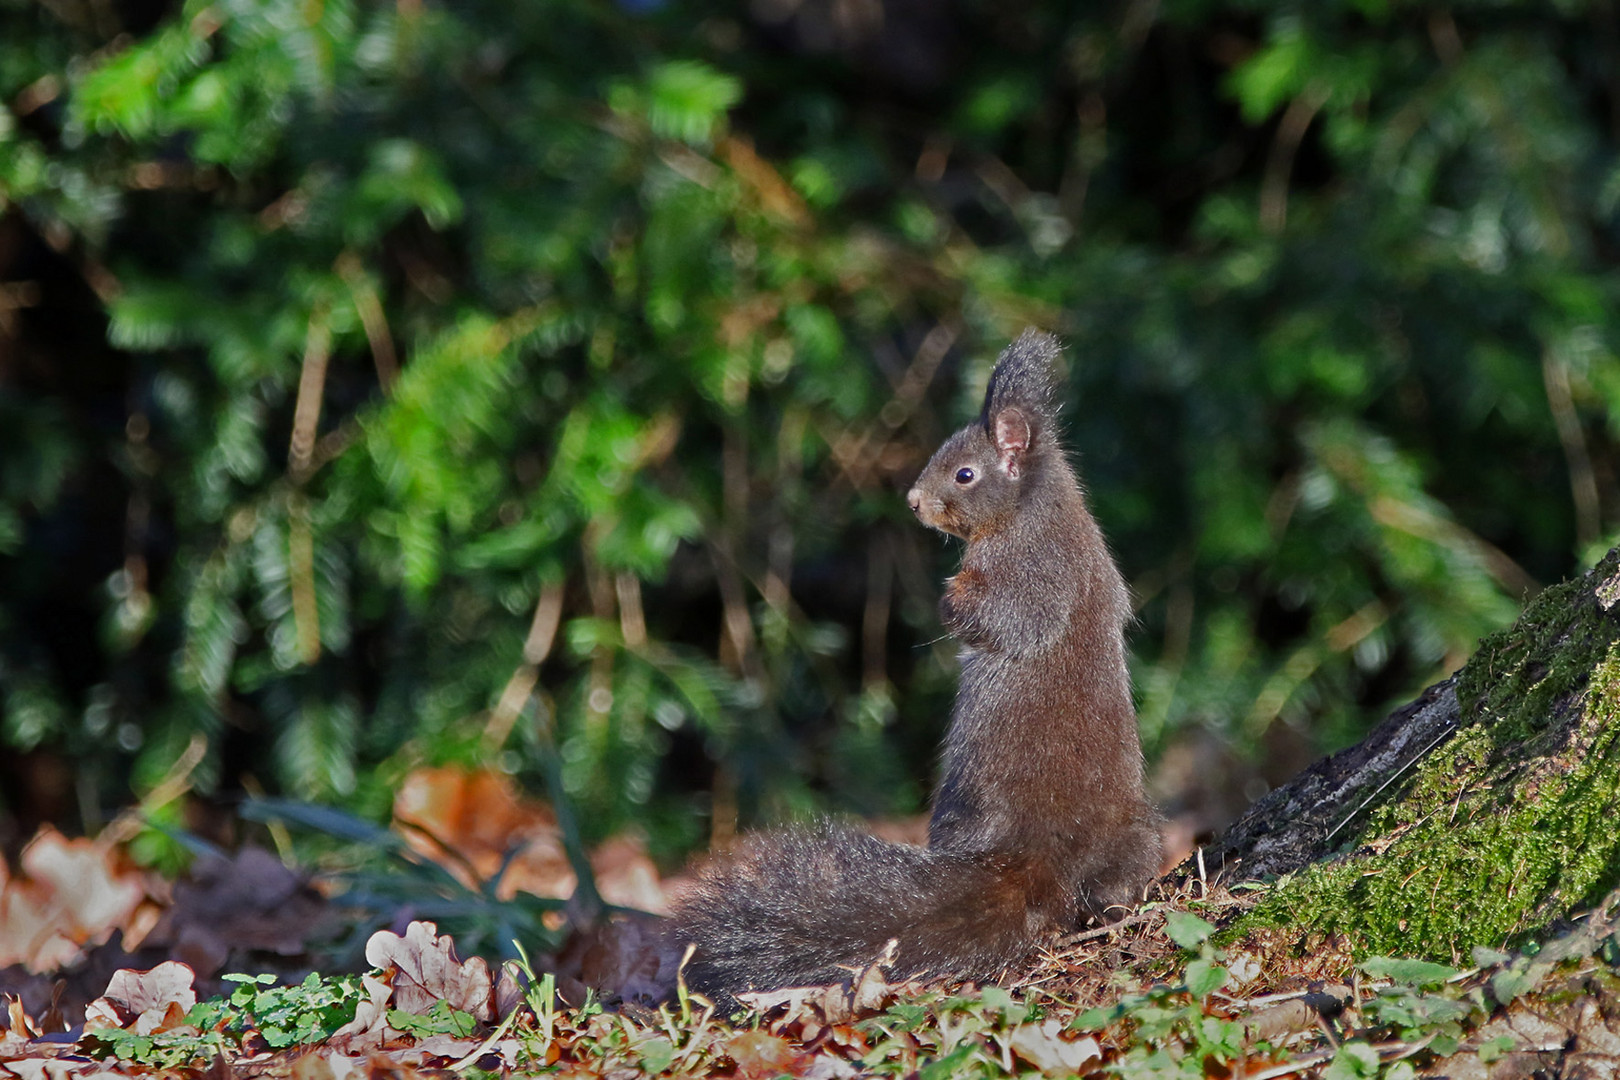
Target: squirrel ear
x=1010, y=432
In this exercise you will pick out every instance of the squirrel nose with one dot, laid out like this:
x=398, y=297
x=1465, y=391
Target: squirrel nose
x=914, y=500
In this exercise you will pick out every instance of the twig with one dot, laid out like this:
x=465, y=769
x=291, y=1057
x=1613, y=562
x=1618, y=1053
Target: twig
x=1297, y=1065
x=311, y=385
x=1385, y=1052
x=1104, y=931
x=1415, y=758
x=1582, y=482
x=369, y=307
x=488, y=1044
x=1280, y=161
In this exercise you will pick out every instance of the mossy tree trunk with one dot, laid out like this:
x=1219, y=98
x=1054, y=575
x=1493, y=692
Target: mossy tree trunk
x=1478, y=815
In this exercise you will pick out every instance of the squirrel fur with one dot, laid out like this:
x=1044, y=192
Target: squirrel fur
x=1040, y=821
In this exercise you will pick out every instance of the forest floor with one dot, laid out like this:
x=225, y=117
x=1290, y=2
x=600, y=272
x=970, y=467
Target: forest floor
x=117, y=972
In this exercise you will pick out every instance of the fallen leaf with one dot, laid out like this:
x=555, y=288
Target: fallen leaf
x=313, y=1067
x=386, y=1067
x=369, y=1028
x=759, y=1054
x=829, y=1067
x=1043, y=1047
x=480, y=817
x=325, y=1064
x=425, y=971
x=249, y=901
x=149, y=1001
x=18, y=1020
x=626, y=875
x=69, y=893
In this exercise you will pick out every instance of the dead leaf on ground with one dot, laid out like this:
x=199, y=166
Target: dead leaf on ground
x=247, y=901
x=469, y=820
x=425, y=970
x=759, y=1054
x=804, y=1011
x=369, y=1029
x=1043, y=1046
x=148, y=1001
x=69, y=893
x=476, y=816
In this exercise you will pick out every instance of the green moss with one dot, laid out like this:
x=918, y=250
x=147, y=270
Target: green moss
x=1509, y=825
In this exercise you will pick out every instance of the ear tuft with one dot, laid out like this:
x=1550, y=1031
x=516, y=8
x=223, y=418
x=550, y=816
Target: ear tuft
x=1024, y=378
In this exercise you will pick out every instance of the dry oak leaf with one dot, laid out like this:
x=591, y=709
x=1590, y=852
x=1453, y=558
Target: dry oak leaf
x=478, y=816
x=811, y=1008
x=829, y=1067
x=330, y=1065
x=69, y=892
x=19, y=1021
x=452, y=1048
x=15, y=1041
x=1043, y=1047
x=319, y=1066
x=369, y=1029
x=154, y=1000
x=759, y=1054
x=49, y=1068
x=248, y=900
x=426, y=971
x=484, y=823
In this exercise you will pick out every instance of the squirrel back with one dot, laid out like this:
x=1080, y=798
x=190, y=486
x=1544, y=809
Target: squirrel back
x=1040, y=820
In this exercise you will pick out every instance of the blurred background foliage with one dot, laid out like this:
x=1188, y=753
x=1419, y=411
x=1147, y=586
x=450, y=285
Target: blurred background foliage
x=537, y=383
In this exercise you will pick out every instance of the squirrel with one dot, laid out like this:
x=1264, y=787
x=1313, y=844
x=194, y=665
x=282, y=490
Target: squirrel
x=1039, y=821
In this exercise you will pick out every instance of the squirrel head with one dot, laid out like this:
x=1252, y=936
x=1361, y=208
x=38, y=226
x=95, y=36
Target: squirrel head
x=972, y=485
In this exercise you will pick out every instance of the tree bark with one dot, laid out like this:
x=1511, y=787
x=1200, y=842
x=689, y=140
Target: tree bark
x=1479, y=814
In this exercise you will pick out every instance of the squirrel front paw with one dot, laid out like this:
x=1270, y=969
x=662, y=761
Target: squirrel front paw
x=961, y=607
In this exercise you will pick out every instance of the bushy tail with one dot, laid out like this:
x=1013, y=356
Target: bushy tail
x=799, y=907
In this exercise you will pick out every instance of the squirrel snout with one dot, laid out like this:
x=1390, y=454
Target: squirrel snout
x=914, y=499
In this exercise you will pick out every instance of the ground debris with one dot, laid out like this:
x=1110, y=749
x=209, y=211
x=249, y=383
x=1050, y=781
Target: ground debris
x=424, y=1012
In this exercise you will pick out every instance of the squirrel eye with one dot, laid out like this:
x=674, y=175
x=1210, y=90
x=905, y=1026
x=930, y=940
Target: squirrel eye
x=965, y=476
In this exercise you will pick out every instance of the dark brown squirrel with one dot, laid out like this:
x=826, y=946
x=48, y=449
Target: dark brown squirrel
x=1040, y=821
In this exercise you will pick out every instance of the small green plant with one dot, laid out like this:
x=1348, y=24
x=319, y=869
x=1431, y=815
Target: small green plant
x=1423, y=1003
x=1173, y=1029
x=305, y=1012
x=279, y=1016
x=159, y=1050
x=987, y=1033
x=442, y=1019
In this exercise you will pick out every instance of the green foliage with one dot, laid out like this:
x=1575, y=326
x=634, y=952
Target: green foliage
x=1187, y=929
x=1423, y=1003
x=256, y=1014
x=369, y=339
x=305, y=1012
x=1170, y=1031
x=380, y=874
x=170, y=1049
x=1404, y=1006
x=1412, y=972
x=1352, y=1061
x=971, y=1034
x=442, y=1019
